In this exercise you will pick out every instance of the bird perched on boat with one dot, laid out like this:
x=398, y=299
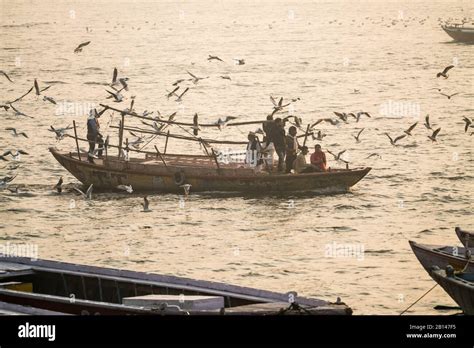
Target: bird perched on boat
x=448, y=95
x=146, y=205
x=408, y=131
x=6, y=75
x=87, y=194
x=277, y=106
x=427, y=122
x=50, y=99
x=173, y=92
x=394, y=141
x=468, y=124
x=214, y=58
x=221, y=123
x=361, y=113
x=60, y=132
x=19, y=113
x=178, y=99
x=320, y=136
x=6, y=180
x=15, y=133
x=81, y=46
x=59, y=186
x=196, y=79
x=357, y=137
x=186, y=188
x=239, y=61
x=225, y=77
x=444, y=73
x=195, y=126
x=432, y=137
x=338, y=156
x=127, y=188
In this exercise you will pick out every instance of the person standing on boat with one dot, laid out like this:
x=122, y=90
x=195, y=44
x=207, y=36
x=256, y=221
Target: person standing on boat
x=318, y=159
x=292, y=147
x=93, y=135
x=279, y=141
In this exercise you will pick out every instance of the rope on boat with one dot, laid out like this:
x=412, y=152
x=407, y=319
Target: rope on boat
x=294, y=307
x=426, y=293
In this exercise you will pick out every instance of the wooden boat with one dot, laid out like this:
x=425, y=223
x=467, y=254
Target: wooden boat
x=460, y=33
x=168, y=172
x=442, y=256
x=466, y=238
x=460, y=286
x=79, y=289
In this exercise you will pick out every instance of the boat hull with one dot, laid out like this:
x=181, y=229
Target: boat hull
x=466, y=238
x=460, y=290
x=460, y=34
x=431, y=255
x=156, y=177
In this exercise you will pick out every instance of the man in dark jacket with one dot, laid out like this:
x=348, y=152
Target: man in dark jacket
x=279, y=141
x=93, y=134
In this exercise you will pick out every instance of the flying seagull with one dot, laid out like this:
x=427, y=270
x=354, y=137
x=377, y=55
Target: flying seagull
x=5, y=74
x=239, y=61
x=50, y=99
x=186, y=188
x=79, y=48
x=5, y=180
x=16, y=133
x=374, y=155
x=444, y=73
x=449, y=96
x=87, y=194
x=19, y=113
x=195, y=126
x=15, y=154
x=172, y=93
x=117, y=96
x=146, y=205
x=468, y=124
x=221, y=123
x=196, y=79
x=408, y=131
x=338, y=156
x=127, y=188
x=225, y=77
x=361, y=113
x=319, y=137
x=214, y=58
x=60, y=132
x=432, y=137
x=59, y=186
x=394, y=141
x=427, y=122
x=20, y=98
x=178, y=99
x=277, y=106
x=356, y=137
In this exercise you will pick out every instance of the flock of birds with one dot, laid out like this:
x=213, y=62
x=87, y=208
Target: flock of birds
x=119, y=84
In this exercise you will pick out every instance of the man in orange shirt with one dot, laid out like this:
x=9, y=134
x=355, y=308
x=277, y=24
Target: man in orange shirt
x=318, y=158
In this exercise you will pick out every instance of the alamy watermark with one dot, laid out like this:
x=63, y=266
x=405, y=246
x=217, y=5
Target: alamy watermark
x=19, y=250
x=334, y=250
x=66, y=108
x=400, y=109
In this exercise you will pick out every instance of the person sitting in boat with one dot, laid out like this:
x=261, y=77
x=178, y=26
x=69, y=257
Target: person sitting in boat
x=318, y=159
x=292, y=148
x=253, y=154
x=300, y=165
x=93, y=135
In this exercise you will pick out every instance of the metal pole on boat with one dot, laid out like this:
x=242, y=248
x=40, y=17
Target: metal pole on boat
x=77, y=142
x=217, y=162
x=306, y=135
x=166, y=142
x=159, y=154
x=121, y=135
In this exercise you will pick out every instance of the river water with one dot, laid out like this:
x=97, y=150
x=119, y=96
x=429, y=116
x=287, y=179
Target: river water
x=377, y=56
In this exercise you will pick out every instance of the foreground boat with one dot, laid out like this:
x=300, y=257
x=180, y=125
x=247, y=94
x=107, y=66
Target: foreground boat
x=460, y=286
x=168, y=172
x=79, y=289
x=466, y=238
x=442, y=256
x=460, y=33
